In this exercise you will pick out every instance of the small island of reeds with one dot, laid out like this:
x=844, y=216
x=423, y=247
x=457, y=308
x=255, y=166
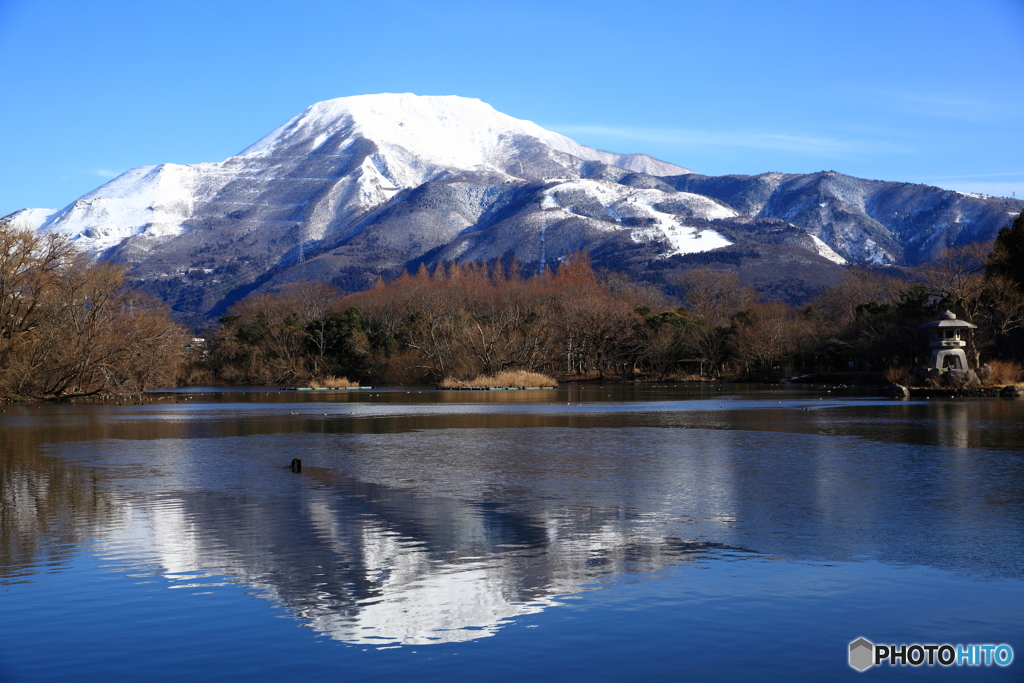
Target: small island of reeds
x=329, y=382
x=510, y=379
x=332, y=382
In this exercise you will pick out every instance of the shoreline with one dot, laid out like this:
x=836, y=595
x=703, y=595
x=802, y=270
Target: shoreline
x=887, y=389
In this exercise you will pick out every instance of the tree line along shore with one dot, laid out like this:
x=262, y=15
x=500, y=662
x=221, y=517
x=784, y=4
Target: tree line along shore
x=71, y=328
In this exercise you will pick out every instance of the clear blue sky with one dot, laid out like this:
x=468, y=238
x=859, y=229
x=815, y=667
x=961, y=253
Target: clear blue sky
x=920, y=91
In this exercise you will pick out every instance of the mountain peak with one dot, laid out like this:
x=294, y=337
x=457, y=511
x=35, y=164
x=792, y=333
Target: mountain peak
x=446, y=131
x=357, y=186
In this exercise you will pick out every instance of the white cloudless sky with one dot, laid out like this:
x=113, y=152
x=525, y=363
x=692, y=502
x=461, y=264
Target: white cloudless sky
x=918, y=91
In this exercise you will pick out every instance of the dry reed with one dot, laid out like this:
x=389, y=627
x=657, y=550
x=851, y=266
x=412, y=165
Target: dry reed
x=332, y=382
x=898, y=374
x=507, y=379
x=1004, y=372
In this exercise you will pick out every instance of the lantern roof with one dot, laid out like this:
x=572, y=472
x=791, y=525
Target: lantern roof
x=948, y=319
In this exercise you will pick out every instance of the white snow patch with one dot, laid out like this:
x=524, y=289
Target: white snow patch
x=150, y=200
x=623, y=202
x=827, y=251
x=30, y=219
x=875, y=254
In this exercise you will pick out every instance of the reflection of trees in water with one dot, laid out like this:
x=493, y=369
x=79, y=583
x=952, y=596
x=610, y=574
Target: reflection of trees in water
x=46, y=509
x=47, y=506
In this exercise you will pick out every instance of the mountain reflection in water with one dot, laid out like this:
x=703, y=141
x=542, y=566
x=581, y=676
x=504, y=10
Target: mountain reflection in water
x=430, y=523
x=366, y=563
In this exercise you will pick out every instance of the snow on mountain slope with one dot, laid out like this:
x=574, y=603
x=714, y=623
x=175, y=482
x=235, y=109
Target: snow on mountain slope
x=646, y=212
x=863, y=221
x=321, y=171
x=359, y=186
x=150, y=201
x=30, y=219
x=447, y=131
x=827, y=251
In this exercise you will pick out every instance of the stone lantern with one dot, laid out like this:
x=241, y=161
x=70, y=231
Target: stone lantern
x=948, y=342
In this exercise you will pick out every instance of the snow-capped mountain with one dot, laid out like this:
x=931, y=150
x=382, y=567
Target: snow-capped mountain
x=866, y=221
x=328, y=165
x=357, y=186
x=431, y=133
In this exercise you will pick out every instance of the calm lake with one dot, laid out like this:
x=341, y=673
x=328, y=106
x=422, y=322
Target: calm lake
x=589, y=533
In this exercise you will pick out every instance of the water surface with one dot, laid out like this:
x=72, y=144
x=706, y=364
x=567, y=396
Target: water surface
x=589, y=533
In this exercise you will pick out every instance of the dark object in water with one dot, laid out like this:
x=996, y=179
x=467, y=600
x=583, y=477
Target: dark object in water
x=296, y=465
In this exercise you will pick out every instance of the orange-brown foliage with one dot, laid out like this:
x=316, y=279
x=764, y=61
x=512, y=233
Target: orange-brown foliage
x=470, y=320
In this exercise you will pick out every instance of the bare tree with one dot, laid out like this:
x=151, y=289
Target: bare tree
x=957, y=277
x=713, y=296
x=71, y=328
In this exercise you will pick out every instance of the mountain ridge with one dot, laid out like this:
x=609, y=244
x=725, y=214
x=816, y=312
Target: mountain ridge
x=355, y=187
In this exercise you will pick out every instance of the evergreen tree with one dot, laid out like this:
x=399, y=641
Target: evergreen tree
x=1007, y=257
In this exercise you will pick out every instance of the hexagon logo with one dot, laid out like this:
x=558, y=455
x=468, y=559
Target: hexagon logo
x=862, y=654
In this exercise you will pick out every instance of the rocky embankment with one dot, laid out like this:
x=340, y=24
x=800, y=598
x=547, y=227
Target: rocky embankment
x=900, y=391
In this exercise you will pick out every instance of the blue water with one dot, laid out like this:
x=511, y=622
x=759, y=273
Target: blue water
x=612, y=533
